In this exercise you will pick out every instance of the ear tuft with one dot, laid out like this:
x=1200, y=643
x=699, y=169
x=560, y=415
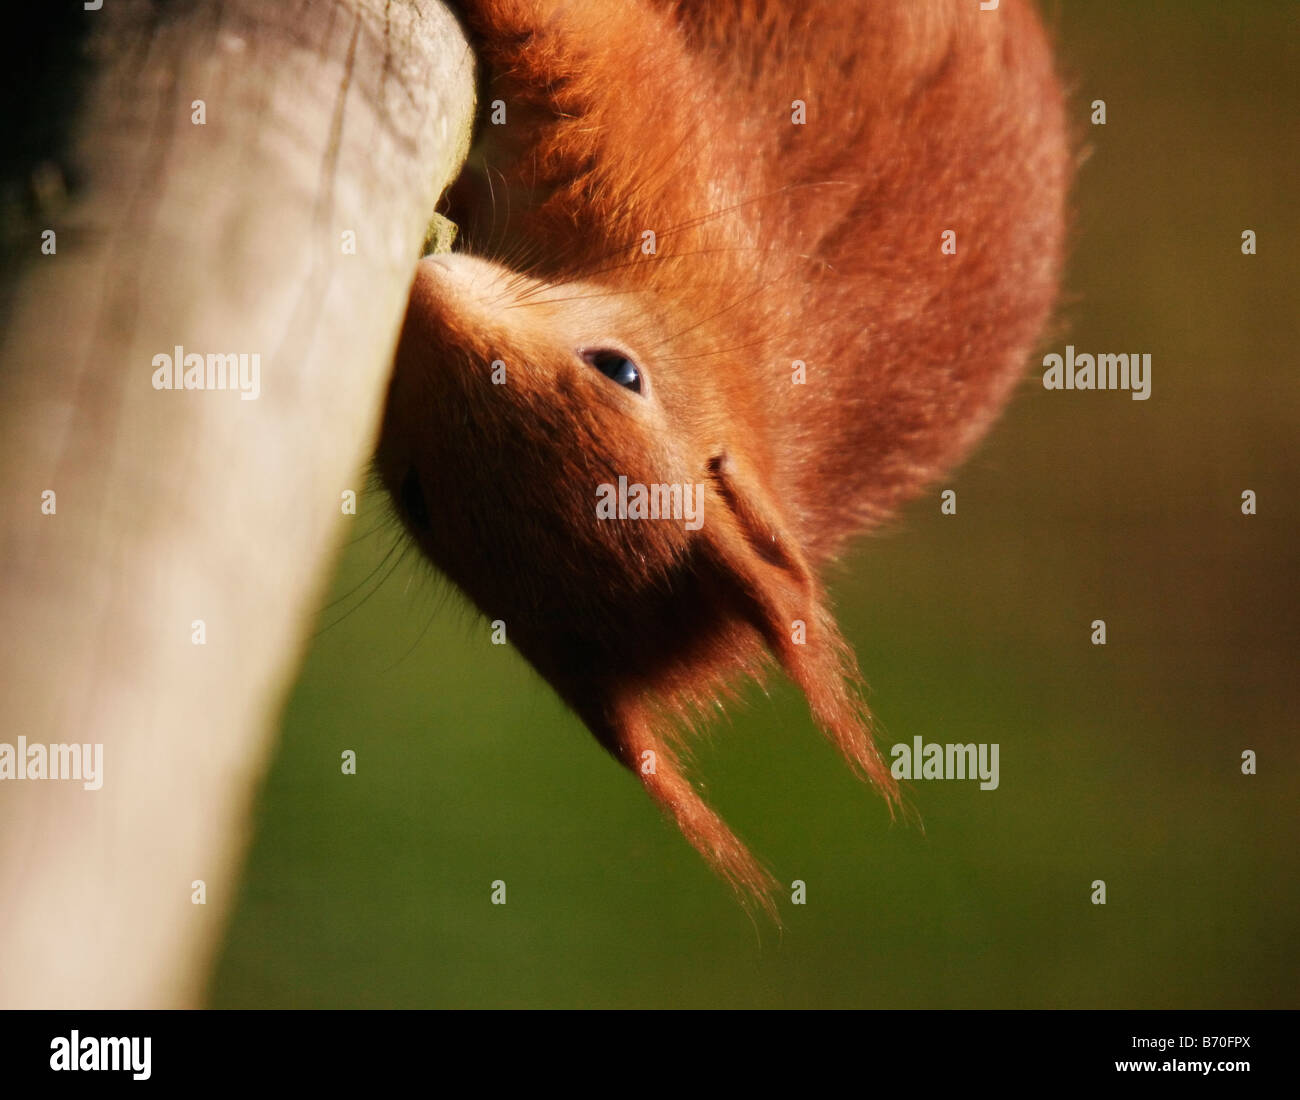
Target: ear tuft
x=827, y=671
x=632, y=741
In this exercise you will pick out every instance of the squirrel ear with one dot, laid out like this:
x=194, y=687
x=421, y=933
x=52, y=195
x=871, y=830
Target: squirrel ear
x=779, y=595
x=766, y=568
x=756, y=516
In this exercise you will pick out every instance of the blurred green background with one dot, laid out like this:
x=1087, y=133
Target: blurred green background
x=1120, y=763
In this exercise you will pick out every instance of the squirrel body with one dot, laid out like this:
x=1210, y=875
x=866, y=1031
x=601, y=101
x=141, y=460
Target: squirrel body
x=793, y=253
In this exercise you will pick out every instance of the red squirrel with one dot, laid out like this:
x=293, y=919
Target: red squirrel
x=786, y=255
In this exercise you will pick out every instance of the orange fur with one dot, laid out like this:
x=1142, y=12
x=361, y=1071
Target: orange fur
x=775, y=242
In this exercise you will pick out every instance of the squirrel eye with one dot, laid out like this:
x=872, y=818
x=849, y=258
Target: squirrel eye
x=615, y=366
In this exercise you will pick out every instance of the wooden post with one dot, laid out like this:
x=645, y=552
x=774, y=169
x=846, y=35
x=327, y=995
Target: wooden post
x=162, y=550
